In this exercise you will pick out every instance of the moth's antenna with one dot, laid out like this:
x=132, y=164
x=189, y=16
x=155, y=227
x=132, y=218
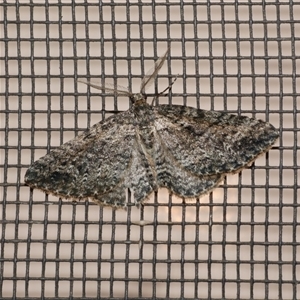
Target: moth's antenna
x=117, y=90
x=166, y=89
x=152, y=73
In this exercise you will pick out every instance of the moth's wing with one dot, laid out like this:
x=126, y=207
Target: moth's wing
x=94, y=165
x=183, y=183
x=207, y=143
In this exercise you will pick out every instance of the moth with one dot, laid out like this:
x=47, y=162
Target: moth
x=184, y=149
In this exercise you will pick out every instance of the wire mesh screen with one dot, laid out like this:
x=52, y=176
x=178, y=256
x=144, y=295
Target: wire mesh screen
x=239, y=242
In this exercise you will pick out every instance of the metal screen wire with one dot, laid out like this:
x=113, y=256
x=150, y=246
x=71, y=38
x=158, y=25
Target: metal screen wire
x=239, y=242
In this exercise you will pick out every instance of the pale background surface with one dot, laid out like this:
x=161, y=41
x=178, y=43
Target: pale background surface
x=240, y=242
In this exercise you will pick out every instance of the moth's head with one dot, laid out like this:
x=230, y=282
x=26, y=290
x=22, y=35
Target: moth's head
x=138, y=98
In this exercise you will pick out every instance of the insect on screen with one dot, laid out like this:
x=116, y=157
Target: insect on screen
x=239, y=240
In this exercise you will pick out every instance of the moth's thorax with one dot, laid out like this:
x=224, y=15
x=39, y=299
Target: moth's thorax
x=147, y=137
x=144, y=122
x=143, y=113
